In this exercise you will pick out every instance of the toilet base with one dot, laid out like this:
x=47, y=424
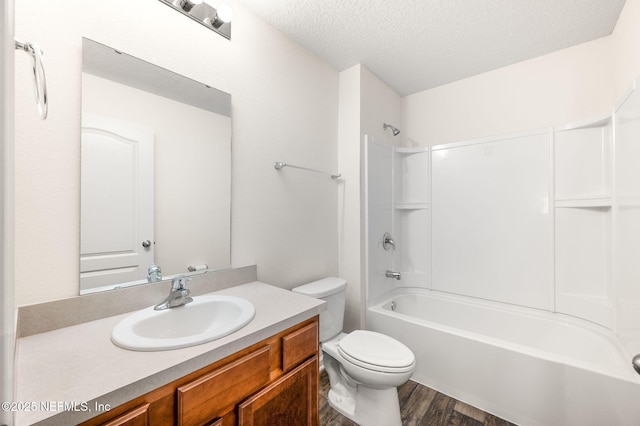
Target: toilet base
x=371, y=407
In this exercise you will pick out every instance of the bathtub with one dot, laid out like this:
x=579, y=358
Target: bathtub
x=526, y=366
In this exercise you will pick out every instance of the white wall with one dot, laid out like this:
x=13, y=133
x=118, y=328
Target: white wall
x=349, y=214
x=379, y=105
x=365, y=104
x=570, y=85
x=284, y=109
x=625, y=46
x=7, y=309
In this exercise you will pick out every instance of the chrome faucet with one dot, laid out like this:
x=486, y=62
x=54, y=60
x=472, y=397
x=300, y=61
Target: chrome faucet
x=178, y=296
x=154, y=273
x=392, y=274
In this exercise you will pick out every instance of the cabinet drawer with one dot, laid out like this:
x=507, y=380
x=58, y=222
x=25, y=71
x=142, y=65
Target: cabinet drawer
x=299, y=345
x=211, y=395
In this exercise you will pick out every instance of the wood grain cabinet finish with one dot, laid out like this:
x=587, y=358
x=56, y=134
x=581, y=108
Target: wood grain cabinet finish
x=290, y=400
x=299, y=345
x=274, y=382
x=213, y=394
x=136, y=417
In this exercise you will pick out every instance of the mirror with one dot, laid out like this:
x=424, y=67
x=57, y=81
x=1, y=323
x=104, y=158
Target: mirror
x=155, y=173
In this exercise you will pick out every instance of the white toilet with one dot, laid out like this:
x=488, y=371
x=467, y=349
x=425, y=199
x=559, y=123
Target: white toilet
x=364, y=367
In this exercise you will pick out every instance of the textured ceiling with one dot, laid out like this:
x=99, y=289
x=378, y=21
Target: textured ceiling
x=414, y=45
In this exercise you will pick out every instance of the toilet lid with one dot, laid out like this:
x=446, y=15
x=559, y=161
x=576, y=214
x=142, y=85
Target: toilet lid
x=376, y=351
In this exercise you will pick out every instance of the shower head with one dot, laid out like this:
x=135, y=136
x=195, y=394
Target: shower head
x=395, y=130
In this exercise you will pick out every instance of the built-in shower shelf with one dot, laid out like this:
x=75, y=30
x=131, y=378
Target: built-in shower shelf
x=405, y=205
x=411, y=178
x=584, y=202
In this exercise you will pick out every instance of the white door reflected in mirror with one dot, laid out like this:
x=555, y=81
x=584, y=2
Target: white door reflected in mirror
x=116, y=201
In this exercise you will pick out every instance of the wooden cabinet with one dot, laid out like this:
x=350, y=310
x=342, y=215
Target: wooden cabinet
x=273, y=405
x=136, y=417
x=274, y=382
x=213, y=394
x=299, y=345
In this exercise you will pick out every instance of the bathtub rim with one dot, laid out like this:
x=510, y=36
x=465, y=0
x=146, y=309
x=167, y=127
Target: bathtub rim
x=628, y=375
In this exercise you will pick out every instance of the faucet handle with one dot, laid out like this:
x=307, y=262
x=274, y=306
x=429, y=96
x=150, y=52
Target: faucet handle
x=178, y=282
x=387, y=242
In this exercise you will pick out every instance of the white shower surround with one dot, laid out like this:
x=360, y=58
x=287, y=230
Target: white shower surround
x=492, y=226
x=560, y=357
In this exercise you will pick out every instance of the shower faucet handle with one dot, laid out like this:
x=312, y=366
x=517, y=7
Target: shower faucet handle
x=387, y=242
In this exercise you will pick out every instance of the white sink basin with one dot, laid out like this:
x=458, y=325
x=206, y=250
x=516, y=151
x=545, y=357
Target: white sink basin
x=207, y=318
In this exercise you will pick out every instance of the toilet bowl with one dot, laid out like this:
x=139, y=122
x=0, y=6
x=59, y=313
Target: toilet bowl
x=372, y=358
x=364, y=367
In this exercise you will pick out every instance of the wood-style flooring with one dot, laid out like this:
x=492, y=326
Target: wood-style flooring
x=419, y=406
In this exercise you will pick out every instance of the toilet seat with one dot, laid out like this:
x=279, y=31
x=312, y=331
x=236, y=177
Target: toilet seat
x=376, y=351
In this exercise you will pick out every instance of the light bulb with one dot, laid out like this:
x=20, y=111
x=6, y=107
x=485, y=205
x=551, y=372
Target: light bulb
x=224, y=12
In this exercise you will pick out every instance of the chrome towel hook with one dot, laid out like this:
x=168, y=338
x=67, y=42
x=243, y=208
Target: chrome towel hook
x=38, y=74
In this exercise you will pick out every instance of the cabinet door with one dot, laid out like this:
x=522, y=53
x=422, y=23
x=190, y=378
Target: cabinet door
x=290, y=400
x=136, y=417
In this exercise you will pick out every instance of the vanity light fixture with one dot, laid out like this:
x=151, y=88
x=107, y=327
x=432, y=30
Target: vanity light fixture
x=224, y=15
x=186, y=5
x=216, y=19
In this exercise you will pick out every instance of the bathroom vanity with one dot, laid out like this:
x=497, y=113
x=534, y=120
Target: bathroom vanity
x=76, y=375
x=247, y=388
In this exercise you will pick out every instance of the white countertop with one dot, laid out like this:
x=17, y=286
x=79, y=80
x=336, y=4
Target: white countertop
x=81, y=365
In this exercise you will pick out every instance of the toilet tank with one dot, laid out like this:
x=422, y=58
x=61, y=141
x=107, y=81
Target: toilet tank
x=332, y=291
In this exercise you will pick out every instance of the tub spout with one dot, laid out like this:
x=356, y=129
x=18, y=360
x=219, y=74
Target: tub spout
x=392, y=274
